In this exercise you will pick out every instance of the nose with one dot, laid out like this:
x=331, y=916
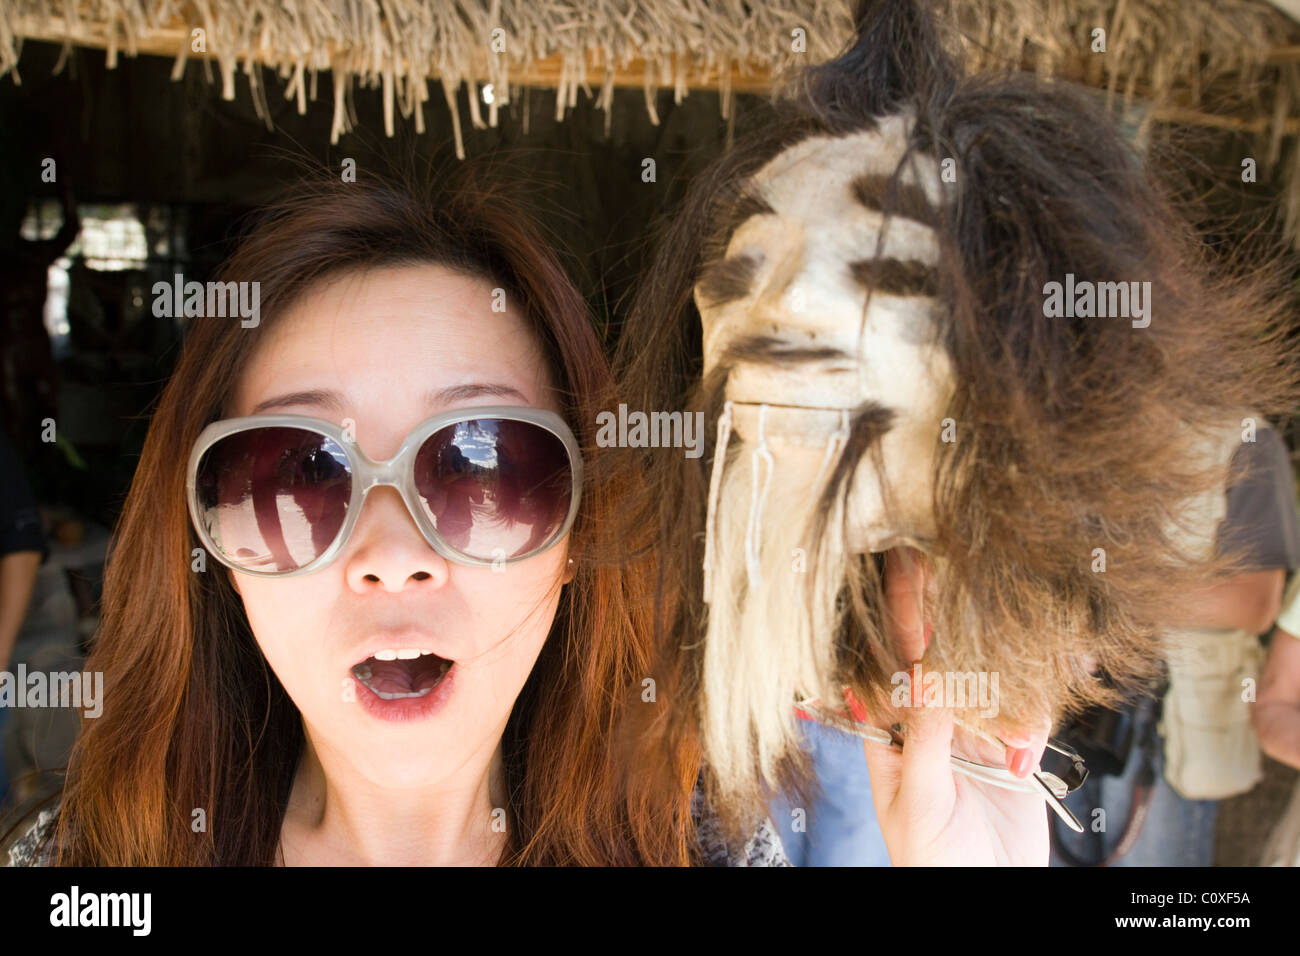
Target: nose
x=387, y=552
x=782, y=289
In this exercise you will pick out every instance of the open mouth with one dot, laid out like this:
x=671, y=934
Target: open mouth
x=397, y=678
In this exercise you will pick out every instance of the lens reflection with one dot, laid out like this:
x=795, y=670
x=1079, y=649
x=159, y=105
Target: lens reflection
x=273, y=499
x=494, y=488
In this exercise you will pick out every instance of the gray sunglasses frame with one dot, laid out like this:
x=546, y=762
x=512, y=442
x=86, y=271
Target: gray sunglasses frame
x=397, y=472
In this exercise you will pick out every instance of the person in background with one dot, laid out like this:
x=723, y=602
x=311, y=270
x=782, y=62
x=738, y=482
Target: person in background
x=1276, y=714
x=22, y=544
x=1161, y=810
x=1276, y=717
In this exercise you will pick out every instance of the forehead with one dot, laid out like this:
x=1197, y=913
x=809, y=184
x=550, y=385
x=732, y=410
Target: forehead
x=811, y=176
x=831, y=192
x=378, y=334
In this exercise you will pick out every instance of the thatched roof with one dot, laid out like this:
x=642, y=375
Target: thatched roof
x=1178, y=56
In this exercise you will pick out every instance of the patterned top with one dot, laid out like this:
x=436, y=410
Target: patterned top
x=24, y=850
x=762, y=849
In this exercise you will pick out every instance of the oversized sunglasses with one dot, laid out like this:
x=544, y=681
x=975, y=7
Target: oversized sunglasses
x=277, y=495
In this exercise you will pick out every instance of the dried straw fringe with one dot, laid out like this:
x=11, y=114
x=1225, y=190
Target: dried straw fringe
x=400, y=44
x=1154, y=49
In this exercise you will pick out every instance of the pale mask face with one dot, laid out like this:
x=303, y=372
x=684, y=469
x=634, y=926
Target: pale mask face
x=786, y=313
x=808, y=263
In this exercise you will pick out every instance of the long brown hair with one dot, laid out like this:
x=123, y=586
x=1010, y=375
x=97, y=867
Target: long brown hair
x=1074, y=433
x=195, y=719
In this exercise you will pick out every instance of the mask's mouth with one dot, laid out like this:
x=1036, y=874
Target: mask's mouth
x=402, y=678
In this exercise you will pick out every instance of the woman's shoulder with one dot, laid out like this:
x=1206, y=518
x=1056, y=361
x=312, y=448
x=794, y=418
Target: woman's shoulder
x=34, y=847
x=763, y=848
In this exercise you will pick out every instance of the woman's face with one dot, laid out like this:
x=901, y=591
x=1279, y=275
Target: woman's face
x=387, y=349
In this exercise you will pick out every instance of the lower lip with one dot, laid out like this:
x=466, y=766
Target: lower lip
x=406, y=709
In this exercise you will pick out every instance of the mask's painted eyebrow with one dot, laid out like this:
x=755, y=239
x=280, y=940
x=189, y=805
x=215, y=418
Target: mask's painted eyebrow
x=750, y=203
x=896, y=277
x=332, y=401
x=887, y=193
x=728, y=279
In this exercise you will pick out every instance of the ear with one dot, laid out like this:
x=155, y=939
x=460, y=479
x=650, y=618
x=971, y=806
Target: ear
x=570, y=570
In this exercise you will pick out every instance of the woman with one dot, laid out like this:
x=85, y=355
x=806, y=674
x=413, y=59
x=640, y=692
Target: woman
x=427, y=674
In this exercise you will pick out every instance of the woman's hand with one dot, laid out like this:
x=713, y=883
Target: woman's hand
x=929, y=814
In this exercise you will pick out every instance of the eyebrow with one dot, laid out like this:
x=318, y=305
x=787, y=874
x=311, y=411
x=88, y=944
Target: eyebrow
x=326, y=398
x=727, y=280
x=748, y=204
x=896, y=277
x=766, y=349
x=888, y=194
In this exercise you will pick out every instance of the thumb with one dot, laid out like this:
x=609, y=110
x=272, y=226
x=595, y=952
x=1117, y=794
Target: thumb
x=926, y=766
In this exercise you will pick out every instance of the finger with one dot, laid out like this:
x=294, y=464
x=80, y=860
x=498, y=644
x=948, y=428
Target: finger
x=1025, y=748
x=925, y=766
x=884, y=768
x=904, y=587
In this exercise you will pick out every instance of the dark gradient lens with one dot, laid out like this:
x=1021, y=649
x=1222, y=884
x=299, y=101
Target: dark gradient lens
x=495, y=488
x=273, y=499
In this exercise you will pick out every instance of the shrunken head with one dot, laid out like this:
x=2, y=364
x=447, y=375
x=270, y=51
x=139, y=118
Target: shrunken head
x=866, y=308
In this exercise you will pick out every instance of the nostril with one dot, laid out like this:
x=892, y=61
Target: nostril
x=421, y=576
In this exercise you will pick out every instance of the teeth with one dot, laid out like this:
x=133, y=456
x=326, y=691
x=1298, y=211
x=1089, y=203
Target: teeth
x=387, y=696
x=401, y=654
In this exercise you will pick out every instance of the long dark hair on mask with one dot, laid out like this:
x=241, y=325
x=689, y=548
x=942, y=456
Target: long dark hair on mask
x=1074, y=433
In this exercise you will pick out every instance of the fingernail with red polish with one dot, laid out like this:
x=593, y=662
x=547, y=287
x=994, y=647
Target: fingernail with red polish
x=1022, y=761
x=856, y=707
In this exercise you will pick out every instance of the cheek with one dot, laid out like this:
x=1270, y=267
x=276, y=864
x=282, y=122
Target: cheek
x=289, y=620
x=513, y=611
